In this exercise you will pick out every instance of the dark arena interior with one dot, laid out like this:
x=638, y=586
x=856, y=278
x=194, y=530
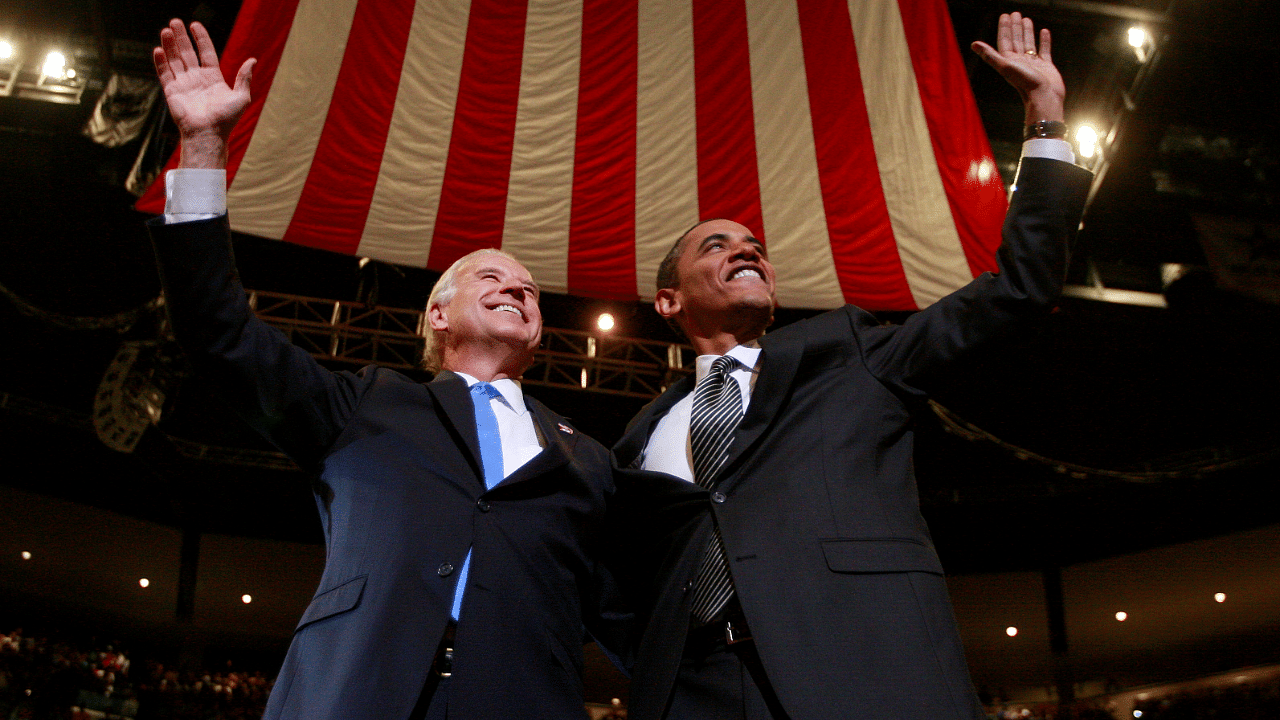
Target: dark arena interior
x=1100, y=487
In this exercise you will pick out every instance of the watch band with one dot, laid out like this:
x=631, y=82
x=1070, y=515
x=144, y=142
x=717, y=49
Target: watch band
x=1045, y=129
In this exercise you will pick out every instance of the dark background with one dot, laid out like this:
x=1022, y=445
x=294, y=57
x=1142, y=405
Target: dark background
x=1134, y=447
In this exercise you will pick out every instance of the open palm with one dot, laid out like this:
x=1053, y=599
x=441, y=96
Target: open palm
x=199, y=98
x=1029, y=70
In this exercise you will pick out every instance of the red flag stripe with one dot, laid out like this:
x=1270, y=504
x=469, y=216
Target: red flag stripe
x=604, y=184
x=473, y=197
x=728, y=175
x=863, y=246
x=965, y=162
x=261, y=31
x=334, y=203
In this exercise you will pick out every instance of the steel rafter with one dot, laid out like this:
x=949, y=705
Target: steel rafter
x=351, y=332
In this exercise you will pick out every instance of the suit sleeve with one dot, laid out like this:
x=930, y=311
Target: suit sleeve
x=274, y=385
x=1039, y=229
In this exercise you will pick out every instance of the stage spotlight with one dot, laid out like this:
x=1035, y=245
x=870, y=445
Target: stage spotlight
x=26, y=555
x=246, y=598
x=1139, y=40
x=1122, y=616
x=55, y=64
x=605, y=322
x=143, y=582
x=6, y=50
x=1220, y=597
x=1011, y=631
x=1087, y=141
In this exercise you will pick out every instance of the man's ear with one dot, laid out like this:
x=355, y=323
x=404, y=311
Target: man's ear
x=667, y=303
x=436, y=318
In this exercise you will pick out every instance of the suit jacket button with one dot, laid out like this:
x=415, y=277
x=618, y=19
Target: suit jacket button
x=717, y=497
x=484, y=505
x=445, y=570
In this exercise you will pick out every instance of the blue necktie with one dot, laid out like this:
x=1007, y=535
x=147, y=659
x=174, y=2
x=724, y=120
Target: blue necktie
x=490, y=460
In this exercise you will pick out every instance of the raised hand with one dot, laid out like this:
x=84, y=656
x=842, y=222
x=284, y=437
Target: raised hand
x=1029, y=70
x=204, y=107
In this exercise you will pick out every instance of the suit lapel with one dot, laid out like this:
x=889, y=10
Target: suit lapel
x=453, y=398
x=628, y=449
x=778, y=364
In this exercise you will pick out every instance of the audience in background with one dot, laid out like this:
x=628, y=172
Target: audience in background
x=42, y=678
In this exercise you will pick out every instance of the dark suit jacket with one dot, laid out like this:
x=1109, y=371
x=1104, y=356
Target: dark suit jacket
x=398, y=483
x=817, y=502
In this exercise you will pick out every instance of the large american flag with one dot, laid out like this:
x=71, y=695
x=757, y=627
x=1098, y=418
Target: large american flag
x=583, y=136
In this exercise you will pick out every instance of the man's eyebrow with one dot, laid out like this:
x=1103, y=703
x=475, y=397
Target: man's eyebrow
x=723, y=236
x=712, y=238
x=498, y=271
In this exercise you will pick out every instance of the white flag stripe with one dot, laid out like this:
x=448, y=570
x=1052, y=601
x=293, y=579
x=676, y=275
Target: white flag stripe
x=269, y=181
x=929, y=247
x=666, y=135
x=795, y=227
x=402, y=211
x=539, y=197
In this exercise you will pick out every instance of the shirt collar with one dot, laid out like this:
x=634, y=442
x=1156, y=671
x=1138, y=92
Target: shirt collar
x=748, y=354
x=510, y=390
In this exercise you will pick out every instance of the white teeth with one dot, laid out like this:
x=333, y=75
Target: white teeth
x=510, y=309
x=746, y=272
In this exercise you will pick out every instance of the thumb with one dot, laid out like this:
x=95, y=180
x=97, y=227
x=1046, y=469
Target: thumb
x=988, y=54
x=245, y=75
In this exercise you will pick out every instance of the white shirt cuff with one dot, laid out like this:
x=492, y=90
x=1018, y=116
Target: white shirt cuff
x=194, y=194
x=1051, y=148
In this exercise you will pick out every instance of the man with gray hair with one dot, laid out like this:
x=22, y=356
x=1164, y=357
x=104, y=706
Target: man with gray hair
x=462, y=520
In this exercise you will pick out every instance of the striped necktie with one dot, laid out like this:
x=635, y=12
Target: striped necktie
x=717, y=410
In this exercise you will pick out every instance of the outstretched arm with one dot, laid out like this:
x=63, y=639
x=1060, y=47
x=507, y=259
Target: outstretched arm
x=1029, y=70
x=204, y=107
x=1044, y=214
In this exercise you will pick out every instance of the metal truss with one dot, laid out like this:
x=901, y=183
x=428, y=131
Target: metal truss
x=342, y=331
x=350, y=332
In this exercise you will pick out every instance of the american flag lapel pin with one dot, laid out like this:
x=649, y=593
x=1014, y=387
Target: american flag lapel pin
x=566, y=429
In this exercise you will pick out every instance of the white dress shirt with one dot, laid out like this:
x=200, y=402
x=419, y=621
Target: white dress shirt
x=669, y=449
x=520, y=441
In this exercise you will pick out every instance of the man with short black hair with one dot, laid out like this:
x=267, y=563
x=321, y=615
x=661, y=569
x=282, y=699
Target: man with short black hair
x=783, y=567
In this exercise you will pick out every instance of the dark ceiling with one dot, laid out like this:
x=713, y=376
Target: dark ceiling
x=1103, y=392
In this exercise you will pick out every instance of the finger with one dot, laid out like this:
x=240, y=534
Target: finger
x=245, y=75
x=169, y=41
x=1004, y=34
x=983, y=50
x=1028, y=35
x=1046, y=45
x=989, y=55
x=204, y=45
x=1017, y=43
x=182, y=43
x=162, y=65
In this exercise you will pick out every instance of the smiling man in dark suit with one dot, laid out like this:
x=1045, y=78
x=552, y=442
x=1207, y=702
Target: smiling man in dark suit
x=782, y=563
x=462, y=520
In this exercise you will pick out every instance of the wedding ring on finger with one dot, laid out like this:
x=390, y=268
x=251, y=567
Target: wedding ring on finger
x=1032, y=53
